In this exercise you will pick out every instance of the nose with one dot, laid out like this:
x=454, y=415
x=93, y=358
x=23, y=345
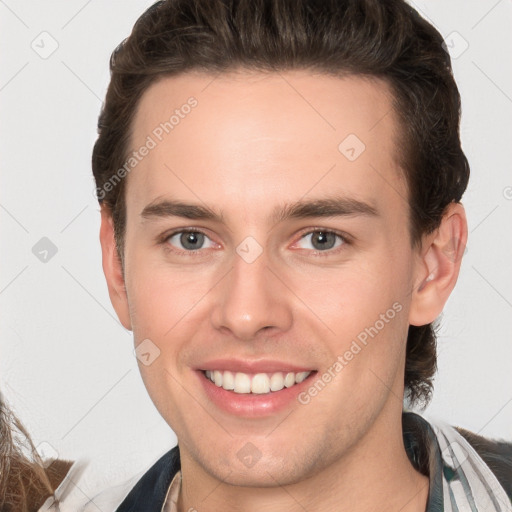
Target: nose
x=252, y=299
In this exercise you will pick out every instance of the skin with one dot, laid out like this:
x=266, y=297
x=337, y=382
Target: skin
x=253, y=143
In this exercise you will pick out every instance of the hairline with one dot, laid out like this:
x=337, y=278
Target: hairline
x=399, y=136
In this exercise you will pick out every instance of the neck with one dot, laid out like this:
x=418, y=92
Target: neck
x=376, y=474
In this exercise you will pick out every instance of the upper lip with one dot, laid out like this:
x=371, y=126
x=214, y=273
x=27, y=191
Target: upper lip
x=255, y=366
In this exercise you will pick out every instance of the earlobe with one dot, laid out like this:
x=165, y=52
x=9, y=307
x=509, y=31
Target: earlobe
x=438, y=267
x=113, y=270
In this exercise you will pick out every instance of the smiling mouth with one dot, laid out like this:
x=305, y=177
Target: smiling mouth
x=255, y=383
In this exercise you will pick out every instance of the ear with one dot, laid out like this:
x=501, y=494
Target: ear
x=112, y=269
x=438, y=266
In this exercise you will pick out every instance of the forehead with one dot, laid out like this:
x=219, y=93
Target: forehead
x=265, y=136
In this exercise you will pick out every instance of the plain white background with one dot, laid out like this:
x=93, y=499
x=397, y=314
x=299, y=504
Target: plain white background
x=67, y=365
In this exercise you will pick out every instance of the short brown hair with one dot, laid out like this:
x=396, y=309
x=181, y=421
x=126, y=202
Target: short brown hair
x=386, y=39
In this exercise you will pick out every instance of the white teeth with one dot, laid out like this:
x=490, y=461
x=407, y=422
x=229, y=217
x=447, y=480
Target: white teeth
x=228, y=380
x=289, y=380
x=276, y=382
x=217, y=378
x=259, y=383
x=242, y=383
x=300, y=377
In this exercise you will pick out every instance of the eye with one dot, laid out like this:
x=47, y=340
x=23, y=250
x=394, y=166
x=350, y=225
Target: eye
x=189, y=240
x=321, y=240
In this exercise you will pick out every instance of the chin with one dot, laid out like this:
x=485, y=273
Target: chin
x=247, y=466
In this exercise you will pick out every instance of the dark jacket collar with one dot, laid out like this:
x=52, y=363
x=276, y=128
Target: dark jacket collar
x=149, y=493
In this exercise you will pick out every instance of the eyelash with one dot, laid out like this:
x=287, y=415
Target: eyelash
x=346, y=240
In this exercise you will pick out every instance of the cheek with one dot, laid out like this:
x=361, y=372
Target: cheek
x=361, y=313
x=162, y=304
x=349, y=299
x=167, y=306
x=161, y=297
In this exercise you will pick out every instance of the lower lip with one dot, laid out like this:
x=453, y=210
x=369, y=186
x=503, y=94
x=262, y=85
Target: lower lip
x=252, y=405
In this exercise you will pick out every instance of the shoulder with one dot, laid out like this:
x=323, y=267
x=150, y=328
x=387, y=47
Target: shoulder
x=150, y=491
x=110, y=498
x=452, y=456
x=497, y=454
x=135, y=493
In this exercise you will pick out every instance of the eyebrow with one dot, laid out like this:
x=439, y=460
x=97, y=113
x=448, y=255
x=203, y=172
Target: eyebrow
x=324, y=207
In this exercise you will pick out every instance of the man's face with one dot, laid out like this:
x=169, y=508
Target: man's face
x=257, y=290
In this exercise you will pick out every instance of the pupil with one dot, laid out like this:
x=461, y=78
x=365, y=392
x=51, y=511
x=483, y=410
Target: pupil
x=191, y=240
x=324, y=240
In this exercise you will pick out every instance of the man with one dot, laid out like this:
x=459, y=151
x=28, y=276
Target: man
x=280, y=186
